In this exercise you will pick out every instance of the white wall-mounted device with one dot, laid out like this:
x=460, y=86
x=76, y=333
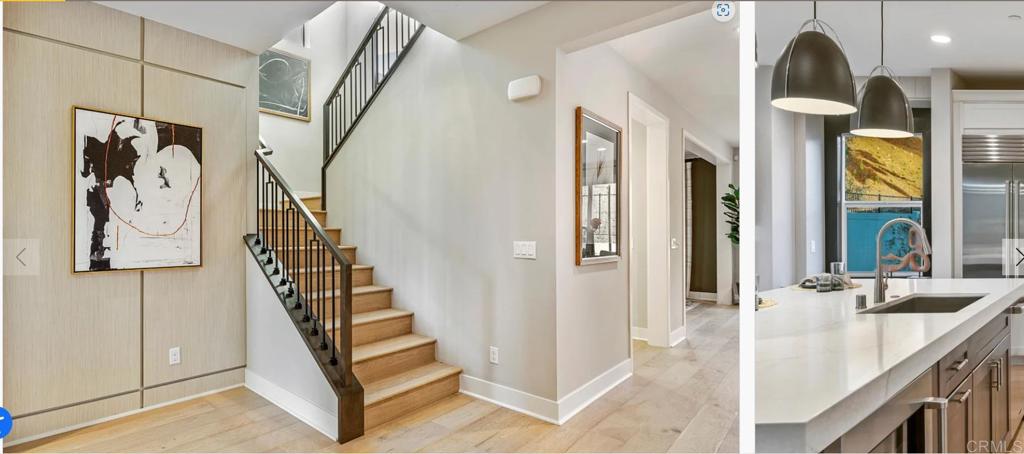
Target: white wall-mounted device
x=524, y=88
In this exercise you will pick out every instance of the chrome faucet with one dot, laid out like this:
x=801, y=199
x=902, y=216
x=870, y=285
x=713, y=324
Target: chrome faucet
x=881, y=282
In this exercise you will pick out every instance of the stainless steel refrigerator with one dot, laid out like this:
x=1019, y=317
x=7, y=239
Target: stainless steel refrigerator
x=993, y=186
x=993, y=189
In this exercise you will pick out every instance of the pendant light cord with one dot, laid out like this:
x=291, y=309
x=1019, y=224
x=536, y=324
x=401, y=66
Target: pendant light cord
x=881, y=28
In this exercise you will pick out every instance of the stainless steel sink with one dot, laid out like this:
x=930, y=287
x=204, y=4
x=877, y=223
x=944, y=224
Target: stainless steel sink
x=925, y=304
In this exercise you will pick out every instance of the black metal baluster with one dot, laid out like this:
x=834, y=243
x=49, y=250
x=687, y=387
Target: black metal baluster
x=298, y=265
x=335, y=268
x=257, y=241
x=309, y=281
x=277, y=238
x=316, y=313
x=323, y=311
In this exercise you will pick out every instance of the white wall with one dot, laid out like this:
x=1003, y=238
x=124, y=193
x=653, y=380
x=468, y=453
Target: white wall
x=790, y=192
x=943, y=81
x=444, y=173
x=279, y=365
x=592, y=299
x=333, y=36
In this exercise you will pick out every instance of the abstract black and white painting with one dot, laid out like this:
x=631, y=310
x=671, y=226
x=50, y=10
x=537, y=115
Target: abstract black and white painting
x=284, y=84
x=137, y=193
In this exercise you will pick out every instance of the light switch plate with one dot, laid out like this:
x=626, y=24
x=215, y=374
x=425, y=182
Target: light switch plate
x=524, y=250
x=494, y=355
x=174, y=356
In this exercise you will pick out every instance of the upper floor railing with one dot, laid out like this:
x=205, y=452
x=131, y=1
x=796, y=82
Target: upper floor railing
x=380, y=52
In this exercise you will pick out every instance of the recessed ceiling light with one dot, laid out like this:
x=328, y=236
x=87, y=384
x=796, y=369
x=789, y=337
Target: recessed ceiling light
x=941, y=39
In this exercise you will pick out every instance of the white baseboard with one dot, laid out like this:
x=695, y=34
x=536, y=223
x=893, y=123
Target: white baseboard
x=677, y=335
x=298, y=407
x=703, y=296
x=638, y=333
x=10, y=443
x=523, y=402
x=543, y=408
x=585, y=395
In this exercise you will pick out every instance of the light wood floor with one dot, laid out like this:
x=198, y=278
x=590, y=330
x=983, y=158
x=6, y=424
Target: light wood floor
x=683, y=399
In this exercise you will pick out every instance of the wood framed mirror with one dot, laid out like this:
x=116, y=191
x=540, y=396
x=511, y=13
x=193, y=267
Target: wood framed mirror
x=598, y=176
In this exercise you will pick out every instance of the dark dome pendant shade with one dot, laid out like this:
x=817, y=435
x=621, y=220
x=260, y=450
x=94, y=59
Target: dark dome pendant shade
x=884, y=111
x=812, y=76
x=883, y=108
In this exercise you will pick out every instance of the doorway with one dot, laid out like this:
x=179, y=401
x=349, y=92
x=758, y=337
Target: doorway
x=650, y=277
x=700, y=216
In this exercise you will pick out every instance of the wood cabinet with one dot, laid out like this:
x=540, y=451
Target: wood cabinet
x=974, y=377
x=979, y=408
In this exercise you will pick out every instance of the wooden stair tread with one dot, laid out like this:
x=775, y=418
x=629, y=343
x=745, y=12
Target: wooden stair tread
x=388, y=346
x=407, y=381
x=332, y=268
x=364, y=289
x=340, y=246
x=270, y=210
x=378, y=316
x=356, y=291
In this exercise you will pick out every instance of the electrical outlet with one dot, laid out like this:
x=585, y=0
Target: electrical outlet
x=814, y=247
x=524, y=250
x=494, y=355
x=174, y=356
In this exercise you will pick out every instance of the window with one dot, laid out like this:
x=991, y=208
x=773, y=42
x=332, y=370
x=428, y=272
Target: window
x=882, y=179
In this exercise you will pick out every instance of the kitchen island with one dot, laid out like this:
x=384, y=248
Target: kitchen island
x=823, y=366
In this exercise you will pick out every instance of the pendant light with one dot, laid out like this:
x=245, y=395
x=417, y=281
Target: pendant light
x=883, y=108
x=812, y=75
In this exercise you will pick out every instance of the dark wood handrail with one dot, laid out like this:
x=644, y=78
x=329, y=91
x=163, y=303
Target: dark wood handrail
x=281, y=242
x=296, y=201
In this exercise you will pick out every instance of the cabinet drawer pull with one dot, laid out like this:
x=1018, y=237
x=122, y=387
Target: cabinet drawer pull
x=940, y=406
x=959, y=365
x=966, y=394
x=993, y=368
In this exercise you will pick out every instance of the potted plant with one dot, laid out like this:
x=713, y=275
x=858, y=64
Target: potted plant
x=731, y=202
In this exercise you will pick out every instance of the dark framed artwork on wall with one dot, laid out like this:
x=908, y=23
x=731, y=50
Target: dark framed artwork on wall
x=284, y=84
x=137, y=193
x=598, y=172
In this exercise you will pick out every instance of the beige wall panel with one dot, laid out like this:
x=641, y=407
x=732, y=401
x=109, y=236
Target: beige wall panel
x=192, y=387
x=60, y=328
x=202, y=310
x=178, y=49
x=58, y=419
x=82, y=23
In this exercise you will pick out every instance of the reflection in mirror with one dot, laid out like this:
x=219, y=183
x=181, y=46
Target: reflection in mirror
x=598, y=144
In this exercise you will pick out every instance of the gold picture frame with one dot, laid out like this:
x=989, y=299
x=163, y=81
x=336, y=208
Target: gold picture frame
x=308, y=81
x=73, y=199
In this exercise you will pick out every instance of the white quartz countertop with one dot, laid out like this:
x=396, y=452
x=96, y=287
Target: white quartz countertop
x=821, y=367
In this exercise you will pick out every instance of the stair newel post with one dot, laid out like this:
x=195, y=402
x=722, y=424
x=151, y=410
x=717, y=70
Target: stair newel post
x=344, y=336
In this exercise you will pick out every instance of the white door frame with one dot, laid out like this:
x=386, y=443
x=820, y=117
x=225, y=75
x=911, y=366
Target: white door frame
x=658, y=260
x=723, y=247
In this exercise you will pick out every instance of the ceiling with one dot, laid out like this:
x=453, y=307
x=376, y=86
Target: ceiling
x=696, y=60
x=253, y=26
x=984, y=40
x=459, y=19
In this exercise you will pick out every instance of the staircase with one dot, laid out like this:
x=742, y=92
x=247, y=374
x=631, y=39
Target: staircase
x=377, y=366
x=397, y=367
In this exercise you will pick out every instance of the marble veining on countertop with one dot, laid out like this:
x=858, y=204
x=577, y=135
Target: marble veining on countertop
x=821, y=366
